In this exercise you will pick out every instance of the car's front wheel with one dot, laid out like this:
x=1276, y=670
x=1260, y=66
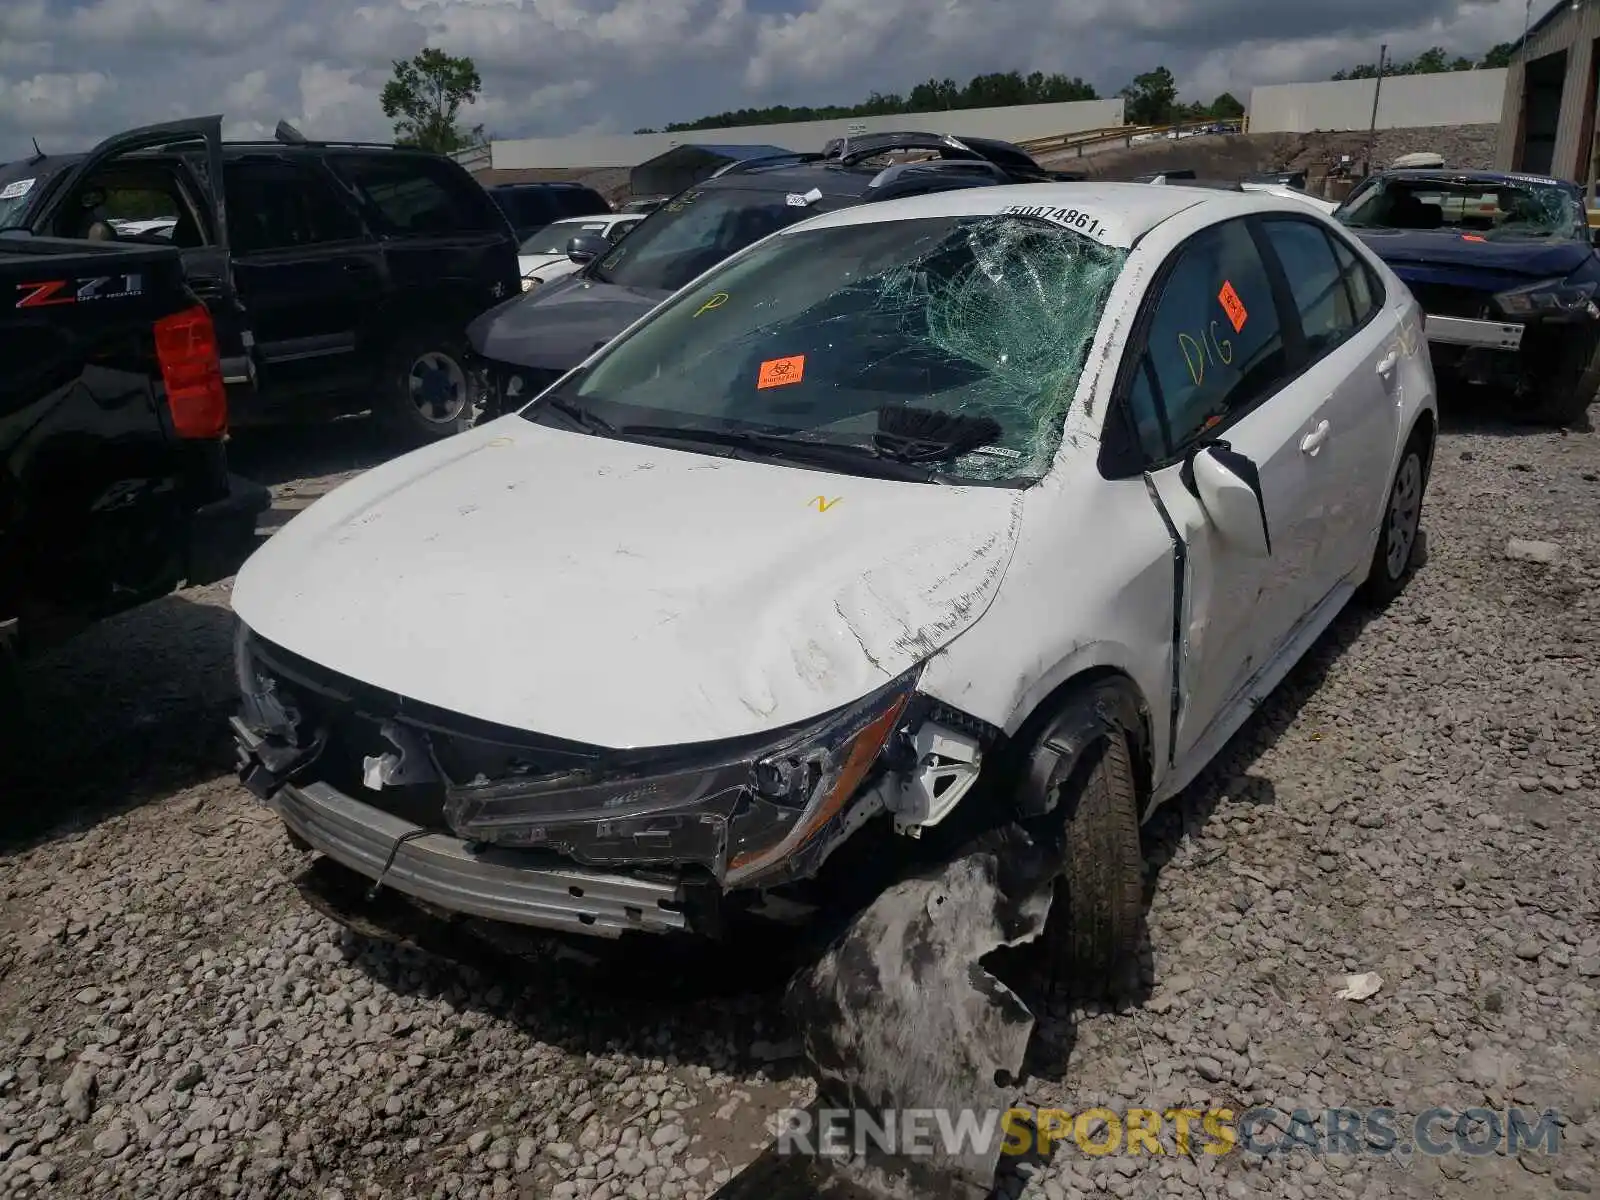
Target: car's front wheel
x=1396, y=551
x=1571, y=384
x=427, y=391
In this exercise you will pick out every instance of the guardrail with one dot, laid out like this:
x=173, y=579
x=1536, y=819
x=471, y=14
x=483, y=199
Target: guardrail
x=1125, y=134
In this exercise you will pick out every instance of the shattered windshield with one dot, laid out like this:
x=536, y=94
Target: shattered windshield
x=1488, y=209
x=817, y=334
x=20, y=185
x=694, y=233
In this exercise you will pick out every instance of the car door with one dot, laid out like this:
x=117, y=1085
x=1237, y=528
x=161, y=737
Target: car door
x=206, y=266
x=1213, y=363
x=306, y=270
x=1350, y=372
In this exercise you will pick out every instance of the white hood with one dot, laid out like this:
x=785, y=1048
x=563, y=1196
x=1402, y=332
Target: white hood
x=621, y=594
x=528, y=264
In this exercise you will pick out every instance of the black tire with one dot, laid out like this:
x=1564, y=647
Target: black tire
x=1096, y=926
x=426, y=389
x=12, y=733
x=1570, y=387
x=1399, y=540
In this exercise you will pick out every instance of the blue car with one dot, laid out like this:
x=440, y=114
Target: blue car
x=1506, y=269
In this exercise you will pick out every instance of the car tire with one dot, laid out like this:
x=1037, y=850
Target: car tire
x=426, y=387
x=1572, y=386
x=1095, y=930
x=1400, y=537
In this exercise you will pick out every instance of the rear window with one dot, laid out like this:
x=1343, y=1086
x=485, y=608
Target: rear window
x=416, y=195
x=580, y=202
x=697, y=231
x=525, y=207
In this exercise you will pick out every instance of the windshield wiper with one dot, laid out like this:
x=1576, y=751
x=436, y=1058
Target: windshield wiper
x=847, y=455
x=580, y=416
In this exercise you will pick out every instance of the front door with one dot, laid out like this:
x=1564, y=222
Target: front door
x=1217, y=364
x=205, y=253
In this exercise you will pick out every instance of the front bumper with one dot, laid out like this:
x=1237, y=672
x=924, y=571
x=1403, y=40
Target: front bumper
x=494, y=884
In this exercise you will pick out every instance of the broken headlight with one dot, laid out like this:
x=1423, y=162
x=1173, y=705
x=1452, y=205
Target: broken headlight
x=1549, y=298
x=767, y=798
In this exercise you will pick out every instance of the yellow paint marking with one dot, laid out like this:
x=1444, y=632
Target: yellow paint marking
x=501, y=441
x=716, y=301
x=824, y=504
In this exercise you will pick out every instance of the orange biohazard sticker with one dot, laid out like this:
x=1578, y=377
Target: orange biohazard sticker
x=776, y=372
x=1472, y=237
x=1233, y=306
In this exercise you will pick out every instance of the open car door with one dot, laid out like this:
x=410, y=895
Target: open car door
x=208, y=268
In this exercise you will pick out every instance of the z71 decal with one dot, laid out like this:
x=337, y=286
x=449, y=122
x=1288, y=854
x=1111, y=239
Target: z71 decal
x=1072, y=218
x=79, y=291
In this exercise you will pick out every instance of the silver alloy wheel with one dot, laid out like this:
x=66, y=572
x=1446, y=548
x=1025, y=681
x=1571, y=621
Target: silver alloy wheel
x=438, y=387
x=1405, y=508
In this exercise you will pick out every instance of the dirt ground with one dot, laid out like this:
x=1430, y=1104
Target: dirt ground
x=1417, y=800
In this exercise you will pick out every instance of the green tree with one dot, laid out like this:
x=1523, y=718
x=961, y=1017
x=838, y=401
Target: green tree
x=1152, y=98
x=1226, y=107
x=1500, y=55
x=425, y=98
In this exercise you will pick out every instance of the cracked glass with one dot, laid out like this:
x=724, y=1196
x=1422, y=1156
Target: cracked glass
x=812, y=333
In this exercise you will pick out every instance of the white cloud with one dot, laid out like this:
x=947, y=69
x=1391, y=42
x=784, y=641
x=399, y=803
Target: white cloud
x=81, y=69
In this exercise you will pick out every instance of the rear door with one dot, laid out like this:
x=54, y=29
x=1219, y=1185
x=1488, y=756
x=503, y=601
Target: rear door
x=207, y=266
x=307, y=271
x=1352, y=350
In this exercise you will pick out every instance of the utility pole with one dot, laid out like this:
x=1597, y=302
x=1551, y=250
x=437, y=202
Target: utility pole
x=1377, y=90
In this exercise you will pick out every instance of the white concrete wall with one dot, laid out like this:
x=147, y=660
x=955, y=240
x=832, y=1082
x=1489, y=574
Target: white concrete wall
x=1017, y=123
x=1405, y=102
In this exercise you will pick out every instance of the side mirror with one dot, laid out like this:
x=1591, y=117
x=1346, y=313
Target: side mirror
x=586, y=247
x=1228, y=486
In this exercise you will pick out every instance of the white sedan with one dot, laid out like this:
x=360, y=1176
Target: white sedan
x=543, y=256
x=1008, y=504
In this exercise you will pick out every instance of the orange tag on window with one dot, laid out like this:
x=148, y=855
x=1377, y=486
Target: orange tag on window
x=776, y=372
x=1472, y=237
x=1233, y=306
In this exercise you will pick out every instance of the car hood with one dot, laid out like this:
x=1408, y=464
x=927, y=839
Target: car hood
x=625, y=595
x=560, y=324
x=1534, y=259
x=537, y=262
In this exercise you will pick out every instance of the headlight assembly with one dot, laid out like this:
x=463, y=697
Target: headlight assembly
x=763, y=801
x=1549, y=297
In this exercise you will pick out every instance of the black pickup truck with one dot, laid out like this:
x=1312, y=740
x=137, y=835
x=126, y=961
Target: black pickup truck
x=114, y=481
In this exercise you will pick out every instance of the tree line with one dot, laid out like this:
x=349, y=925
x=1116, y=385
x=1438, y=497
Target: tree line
x=1152, y=99
x=426, y=95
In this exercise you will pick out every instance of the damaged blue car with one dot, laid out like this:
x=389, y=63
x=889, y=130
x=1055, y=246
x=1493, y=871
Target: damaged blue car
x=1505, y=267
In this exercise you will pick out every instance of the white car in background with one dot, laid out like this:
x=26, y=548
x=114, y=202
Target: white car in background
x=543, y=256
x=1042, y=488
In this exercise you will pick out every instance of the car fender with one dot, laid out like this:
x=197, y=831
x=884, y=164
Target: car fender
x=1073, y=719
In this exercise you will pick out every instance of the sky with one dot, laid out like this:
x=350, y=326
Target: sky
x=72, y=72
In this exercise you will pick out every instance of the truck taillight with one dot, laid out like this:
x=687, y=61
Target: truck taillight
x=186, y=348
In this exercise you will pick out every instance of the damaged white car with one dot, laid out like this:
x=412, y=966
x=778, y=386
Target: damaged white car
x=997, y=506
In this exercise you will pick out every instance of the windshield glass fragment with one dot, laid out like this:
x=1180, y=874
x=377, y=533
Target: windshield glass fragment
x=1487, y=209
x=834, y=335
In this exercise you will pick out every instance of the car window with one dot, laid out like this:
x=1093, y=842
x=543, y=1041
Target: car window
x=580, y=202
x=1315, y=282
x=1515, y=208
x=526, y=207
x=553, y=238
x=694, y=233
x=280, y=205
x=412, y=194
x=618, y=228
x=814, y=333
x=1214, y=342
x=1366, y=294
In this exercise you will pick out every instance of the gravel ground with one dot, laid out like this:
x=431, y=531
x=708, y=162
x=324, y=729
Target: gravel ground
x=1417, y=801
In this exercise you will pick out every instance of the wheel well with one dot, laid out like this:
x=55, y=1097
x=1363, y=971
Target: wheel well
x=1081, y=710
x=1427, y=429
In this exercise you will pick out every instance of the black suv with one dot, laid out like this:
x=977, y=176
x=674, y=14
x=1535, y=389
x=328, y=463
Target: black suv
x=524, y=345
x=340, y=275
x=531, y=206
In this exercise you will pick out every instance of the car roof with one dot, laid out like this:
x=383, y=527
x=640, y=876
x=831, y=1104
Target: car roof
x=1125, y=212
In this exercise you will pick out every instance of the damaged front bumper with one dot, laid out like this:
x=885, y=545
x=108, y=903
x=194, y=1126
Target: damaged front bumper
x=461, y=877
x=513, y=826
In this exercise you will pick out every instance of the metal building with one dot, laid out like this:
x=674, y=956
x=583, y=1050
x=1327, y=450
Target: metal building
x=1548, y=126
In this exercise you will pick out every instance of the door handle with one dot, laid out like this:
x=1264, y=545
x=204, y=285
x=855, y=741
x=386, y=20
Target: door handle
x=1390, y=361
x=1312, y=442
